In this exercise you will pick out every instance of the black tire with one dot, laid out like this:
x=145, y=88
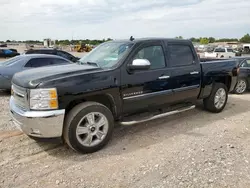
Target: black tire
x=237, y=90
x=72, y=120
x=209, y=103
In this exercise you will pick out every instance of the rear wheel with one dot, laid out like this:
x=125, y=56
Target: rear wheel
x=217, y=100
x=241, y=86
x=88, y=127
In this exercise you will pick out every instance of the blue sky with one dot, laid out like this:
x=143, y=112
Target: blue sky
x=62, y=19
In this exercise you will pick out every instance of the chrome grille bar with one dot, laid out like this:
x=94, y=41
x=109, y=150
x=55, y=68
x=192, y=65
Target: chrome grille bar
x=20, y=96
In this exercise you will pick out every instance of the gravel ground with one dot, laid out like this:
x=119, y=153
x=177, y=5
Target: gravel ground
x=191, y=149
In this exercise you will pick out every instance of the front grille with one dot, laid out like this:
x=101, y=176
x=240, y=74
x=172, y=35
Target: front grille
x=20, y=95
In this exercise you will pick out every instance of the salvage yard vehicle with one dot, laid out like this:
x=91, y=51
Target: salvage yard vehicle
x=243, y=83
x=53, y=51
x=221, y=52
x=123, y=81
x=24, y=62
x=5, y=53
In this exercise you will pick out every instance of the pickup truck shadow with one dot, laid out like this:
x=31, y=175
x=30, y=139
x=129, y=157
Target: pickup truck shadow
x=127, y=139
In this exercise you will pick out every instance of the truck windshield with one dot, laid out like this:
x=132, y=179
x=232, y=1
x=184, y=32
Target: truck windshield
x=107, y=55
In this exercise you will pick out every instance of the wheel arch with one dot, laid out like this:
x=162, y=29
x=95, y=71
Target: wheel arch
x=227, y=80
x=104, y=99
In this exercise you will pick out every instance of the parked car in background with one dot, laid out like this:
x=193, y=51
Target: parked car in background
x=3, y=45
x=24, y=62
x=220, y=52
x=131, y=81
x=52, y=51
x=5, y=53
x=243, y=83
x=14, y=50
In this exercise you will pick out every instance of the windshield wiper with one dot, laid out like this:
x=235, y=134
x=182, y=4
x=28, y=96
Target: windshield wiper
x=92, y=63
x=89, y=63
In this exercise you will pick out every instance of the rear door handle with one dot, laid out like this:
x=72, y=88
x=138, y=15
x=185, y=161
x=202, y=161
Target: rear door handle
x=164, y=77
x=194, y=72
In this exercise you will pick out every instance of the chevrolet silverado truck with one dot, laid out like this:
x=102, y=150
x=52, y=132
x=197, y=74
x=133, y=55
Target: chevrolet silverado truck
x=123, y=81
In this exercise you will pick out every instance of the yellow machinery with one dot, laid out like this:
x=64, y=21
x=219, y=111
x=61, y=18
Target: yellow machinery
x=82, y=48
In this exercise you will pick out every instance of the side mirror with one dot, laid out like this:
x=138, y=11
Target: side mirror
x=139, y=64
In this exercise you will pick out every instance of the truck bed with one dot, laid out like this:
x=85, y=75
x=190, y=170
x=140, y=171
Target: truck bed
x=216, y=70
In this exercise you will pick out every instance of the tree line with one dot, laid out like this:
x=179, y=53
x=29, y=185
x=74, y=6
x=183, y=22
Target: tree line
x=61, y=42
x=207, y=40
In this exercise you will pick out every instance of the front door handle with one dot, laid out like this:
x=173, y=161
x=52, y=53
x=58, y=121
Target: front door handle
x=164, y=77
x=194, y=72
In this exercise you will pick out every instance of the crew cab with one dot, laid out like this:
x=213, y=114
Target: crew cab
x=123, y=81
x=221, y=52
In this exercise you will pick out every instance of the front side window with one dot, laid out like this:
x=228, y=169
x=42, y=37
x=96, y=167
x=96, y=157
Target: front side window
x=59, y=61
x=245, y=63
x=154, y=54
x=229, y=50
x=63, y=54
x=107, y=54
x=180, y=55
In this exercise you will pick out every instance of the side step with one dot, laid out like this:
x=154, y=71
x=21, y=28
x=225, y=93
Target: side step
x=157, y=116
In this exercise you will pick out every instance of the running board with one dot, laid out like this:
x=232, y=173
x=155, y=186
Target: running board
x=158, y=116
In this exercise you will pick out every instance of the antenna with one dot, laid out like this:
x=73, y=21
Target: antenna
x=132, y=38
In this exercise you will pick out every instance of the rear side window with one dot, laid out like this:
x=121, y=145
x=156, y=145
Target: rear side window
x=39, y=62
x=229, y=50
x=180, y=55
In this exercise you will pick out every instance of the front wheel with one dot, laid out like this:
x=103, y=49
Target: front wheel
x=217, y=100
x=88, y=127
x=241, y=86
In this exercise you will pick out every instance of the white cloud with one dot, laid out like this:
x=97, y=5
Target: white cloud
x=59, y=19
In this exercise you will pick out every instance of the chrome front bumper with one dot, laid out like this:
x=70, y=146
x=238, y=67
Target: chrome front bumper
x=43, y=124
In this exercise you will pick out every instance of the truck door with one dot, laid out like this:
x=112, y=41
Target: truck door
x=146, y=89
x=185, y=71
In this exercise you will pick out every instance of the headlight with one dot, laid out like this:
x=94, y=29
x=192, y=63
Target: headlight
x=43, y=99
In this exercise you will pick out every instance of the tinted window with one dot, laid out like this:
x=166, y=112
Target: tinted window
x=154, y=54
x=245, y=63
x=180, y=55
x=64, y=54
x=39, y=62
x=59, y=61
x=229, y=50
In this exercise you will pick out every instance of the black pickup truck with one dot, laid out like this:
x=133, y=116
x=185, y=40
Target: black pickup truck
x=125, y=81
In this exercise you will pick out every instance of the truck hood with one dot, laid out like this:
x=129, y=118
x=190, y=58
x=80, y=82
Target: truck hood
x=33, y=77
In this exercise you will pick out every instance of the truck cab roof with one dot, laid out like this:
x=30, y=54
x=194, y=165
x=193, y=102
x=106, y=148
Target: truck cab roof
x=152, y=39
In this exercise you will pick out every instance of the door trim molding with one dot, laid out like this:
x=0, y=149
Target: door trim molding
x=146, y=95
